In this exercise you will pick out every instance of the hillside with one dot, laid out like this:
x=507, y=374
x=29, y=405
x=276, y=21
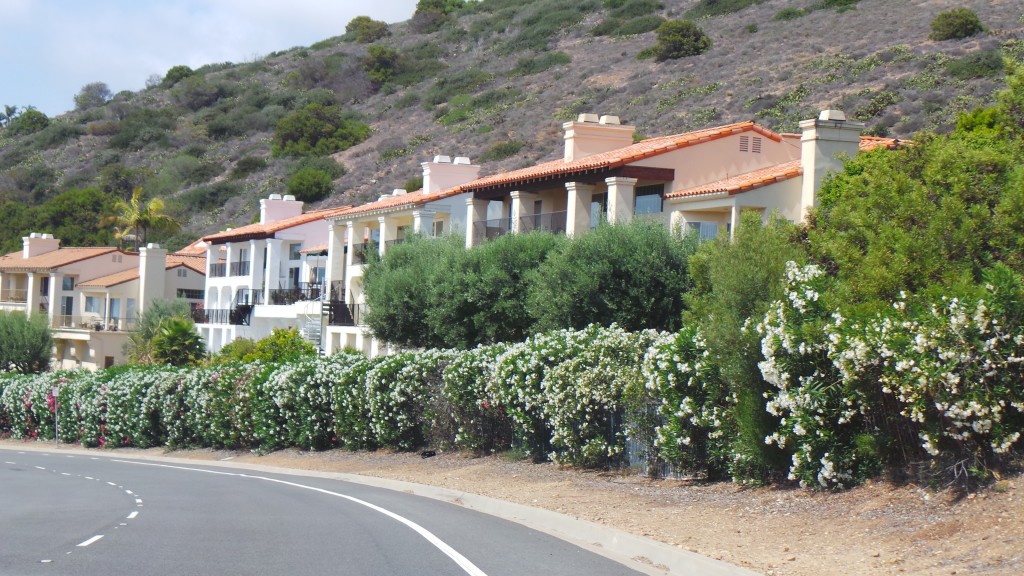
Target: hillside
x=492, y=81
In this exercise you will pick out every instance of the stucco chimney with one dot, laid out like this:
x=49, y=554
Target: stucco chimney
x=152, y=265
x=442, y=173
x=590, y=135
x=35, y=244
x=276, y=208
x=825, y=141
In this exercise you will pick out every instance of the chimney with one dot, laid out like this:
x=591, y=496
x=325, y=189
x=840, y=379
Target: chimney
x=35, y=244
x=442, y=173
x=152, y=265
x=276, y=208
x=823, y=144
x=590, y=135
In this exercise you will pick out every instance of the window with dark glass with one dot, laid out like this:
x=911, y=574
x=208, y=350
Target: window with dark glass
x=648, y=199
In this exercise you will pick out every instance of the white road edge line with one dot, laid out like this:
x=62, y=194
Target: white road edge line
x=441, y=545
x=133, y=515
x=90, y=541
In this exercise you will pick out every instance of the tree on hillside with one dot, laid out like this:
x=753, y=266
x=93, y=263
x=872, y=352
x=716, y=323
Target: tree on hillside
x=25, y=343
x=138, y=216
x=92, y=95
x=364, y=29
x=8, y=114
x=29, y=121
x=956, y=24
x=317, y=130
x=679, y=39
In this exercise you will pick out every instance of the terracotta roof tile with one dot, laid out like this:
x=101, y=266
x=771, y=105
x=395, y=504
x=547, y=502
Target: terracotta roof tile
x=258, y=231
x=191, y=262
x=869, y=143
x=50, y=260
x=606, y=160
x=197, y=248
x=744, y=182
x=314, y=249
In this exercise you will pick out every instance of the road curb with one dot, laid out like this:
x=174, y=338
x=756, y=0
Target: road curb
x=636, y=552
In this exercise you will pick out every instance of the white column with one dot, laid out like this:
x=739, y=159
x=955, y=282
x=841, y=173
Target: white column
x=577, y=217
x=273, y=267
x=476, y=211
x=734, y=220
x=107, y=320
x=32, y=295
x=56, y=293
x=423, y=222
x=256, y=272
x=387, y=231
x=350, y=241
x=620, y=199
x=335, y=258
x=522, y=202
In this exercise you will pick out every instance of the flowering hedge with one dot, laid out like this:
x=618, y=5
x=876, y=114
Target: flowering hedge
x=939, y=379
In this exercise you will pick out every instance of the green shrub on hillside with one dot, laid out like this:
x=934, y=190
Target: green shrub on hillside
x=317, y=130
x=679, y=39
x=956, y=24
x=540, y=63
x=705, y=8
x=29, y=121
x=175, y=74
x=365, y=30
x=976, y=65
x=310, y=185
x=247, y=166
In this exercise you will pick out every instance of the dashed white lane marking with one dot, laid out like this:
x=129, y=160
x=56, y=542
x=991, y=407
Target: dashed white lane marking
x=40, y=468
x=5, y=462
x=138, y=501
x=463, y=562
x=89, y=478
x=128, y=491
x=90, y=541
x=45, y=561
x=133, y=514
x=65, y=474
x=111, y=484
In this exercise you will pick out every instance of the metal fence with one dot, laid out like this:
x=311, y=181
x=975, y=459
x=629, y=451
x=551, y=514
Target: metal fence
x=93, y=323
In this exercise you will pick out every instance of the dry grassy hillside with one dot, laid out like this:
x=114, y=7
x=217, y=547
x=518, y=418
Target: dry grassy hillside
x=494, y=83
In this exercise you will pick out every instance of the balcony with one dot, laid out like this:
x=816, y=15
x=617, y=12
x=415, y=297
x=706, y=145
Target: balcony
x=14, y=295
x=360, y=251
x=239, y=268
x=487, y=229
x=237, y=316
x=304, y=292
x=553, y=222
x=341, y=314
x=218, y=270
x=249, y=296
x=93, y=323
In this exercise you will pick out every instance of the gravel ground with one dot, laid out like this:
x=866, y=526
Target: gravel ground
x=879, y=528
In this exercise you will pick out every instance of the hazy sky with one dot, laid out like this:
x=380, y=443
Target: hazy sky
x=54, y=47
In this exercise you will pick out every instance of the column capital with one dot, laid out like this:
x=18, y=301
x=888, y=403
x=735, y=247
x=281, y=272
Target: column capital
x=579, y=187
x=620, y=181
x=350, y=224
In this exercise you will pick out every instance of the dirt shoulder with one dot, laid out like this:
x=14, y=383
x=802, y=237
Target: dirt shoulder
x=874, y=529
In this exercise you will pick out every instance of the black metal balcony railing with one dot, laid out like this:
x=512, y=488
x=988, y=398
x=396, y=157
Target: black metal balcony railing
x=360, y=251
x=548, y=222
x=304, y=292
x=15, y=295
x=487, y=229
x=218, y=270
x=240, y=268
x=390, y=243
x=249, y=296
x=341, y=314
x=237, y=316
x=93, y=323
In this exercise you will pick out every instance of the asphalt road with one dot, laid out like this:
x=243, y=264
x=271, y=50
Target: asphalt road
x=99, y=515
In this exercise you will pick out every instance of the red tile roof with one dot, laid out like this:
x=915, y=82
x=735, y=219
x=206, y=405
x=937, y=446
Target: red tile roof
x=260, y=231
x=197, y=248
x=191, y=262
x=744, y=182
x=314, y=249
x=14, y=262
x=869, y=143
x=597, y=162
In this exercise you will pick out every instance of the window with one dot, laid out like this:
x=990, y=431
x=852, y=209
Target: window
x=598, y=209
x=68, y=283
x=293, y=251
x=190, y=294
x=704, y=230
x=182, y=272
x=116, y=258
x=44, y=286
x=438, y=227
x=92, y=305
x=648, y=199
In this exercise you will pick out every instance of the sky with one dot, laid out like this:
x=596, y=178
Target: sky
x=55, y=47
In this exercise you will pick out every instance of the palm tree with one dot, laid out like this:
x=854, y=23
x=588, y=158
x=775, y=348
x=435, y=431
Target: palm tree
x=135, y=217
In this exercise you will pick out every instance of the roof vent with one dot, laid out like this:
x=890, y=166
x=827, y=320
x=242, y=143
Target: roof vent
x=832, y=115
x=383, y=196
x=152, y=245
x=275, y=197
x=609, y=120
x=47, y=236
x=462, y=160
x=289, y=198
x=587, y=118
x=398, y=191
x=443, y=159
x=35, y=235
